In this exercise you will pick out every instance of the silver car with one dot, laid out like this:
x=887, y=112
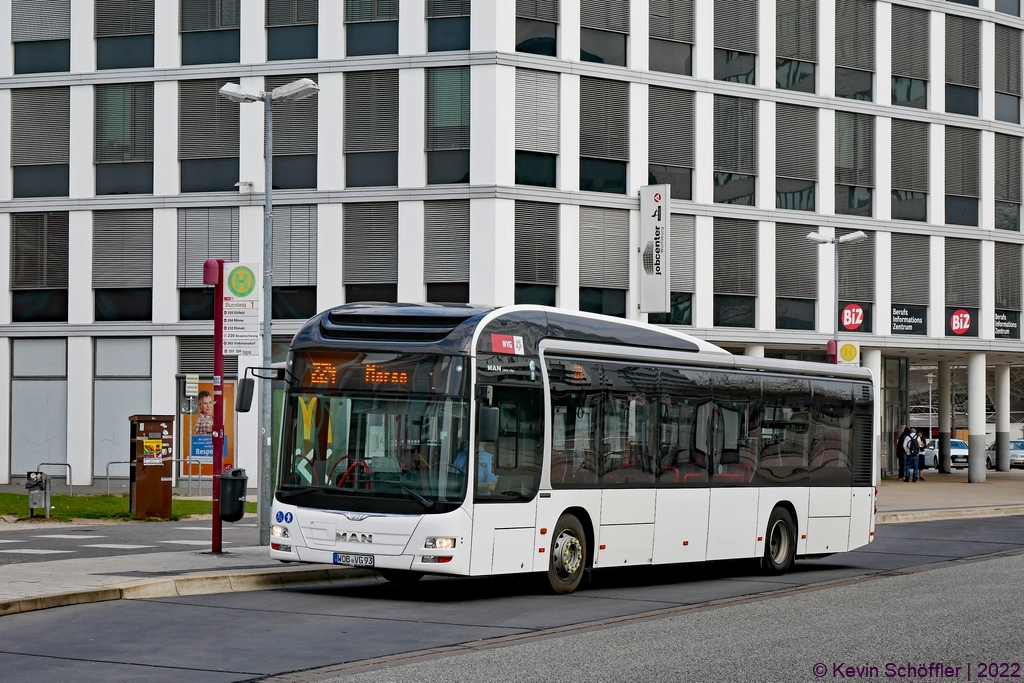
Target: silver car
x=1016, y=454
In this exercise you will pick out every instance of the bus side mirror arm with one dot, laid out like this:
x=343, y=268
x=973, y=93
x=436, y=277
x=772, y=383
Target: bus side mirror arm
x=247, y=385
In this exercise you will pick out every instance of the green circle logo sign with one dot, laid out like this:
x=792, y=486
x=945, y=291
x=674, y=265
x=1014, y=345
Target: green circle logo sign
x=242, y=281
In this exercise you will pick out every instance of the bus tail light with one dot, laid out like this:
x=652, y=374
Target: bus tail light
x=760, y=538
x=282, y=548
x=543, y=531
x=803, y=535
x=540, y=550
x=602, y=546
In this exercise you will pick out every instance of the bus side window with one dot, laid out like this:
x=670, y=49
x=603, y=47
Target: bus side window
x=510, y=468
x=832, y=433
x=785, y=430
x=575, y=417
x=686, y=414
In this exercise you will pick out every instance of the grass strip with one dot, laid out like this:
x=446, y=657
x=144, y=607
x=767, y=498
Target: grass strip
x=65, y=508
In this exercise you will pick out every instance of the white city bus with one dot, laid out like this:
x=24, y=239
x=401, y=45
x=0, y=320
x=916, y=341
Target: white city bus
x=451, y=439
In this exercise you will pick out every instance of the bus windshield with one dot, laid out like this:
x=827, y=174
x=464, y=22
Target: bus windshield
x=376, y=432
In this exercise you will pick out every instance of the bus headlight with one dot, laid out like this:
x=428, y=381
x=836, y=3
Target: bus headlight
x=279, y=531
x=439, y=542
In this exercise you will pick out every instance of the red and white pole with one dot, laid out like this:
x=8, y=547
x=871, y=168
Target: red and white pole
x=213, y=274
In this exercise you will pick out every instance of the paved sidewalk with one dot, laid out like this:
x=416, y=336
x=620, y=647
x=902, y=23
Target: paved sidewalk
x=949, y=496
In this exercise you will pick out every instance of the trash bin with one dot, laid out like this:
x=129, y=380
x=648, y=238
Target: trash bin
x=38, y=486
x=232, y=495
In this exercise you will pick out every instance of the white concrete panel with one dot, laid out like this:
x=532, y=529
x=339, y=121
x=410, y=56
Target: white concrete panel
x=826, y=283
x=569, y=123
x=253, y=39
x=627, y=506
x=251, y=166
x=79, y=418
x=638, y=46
x=883, y=168
x=827, y=535
x=165, y=265
x=732, y=523
x=883, y=283
x=829, y=501
x=826, y=162
x=937, y=64
x=487, y=518
x=987, y=164
x=937, y=287
x=40, y=357
x=986, y=312
x=166, y=39
x=492, y=26
x=513, y=551
x=569, y=32
x=164, y=384
x=569, y=257
x=83, y=42
x=5, y=282
x=987, y=103
x=82, y=171
x=632, y=295
x=766, y=44
x=704, y=269
x=81, y=306
x=703, y=149
x=492, y=156
x=166, y=178
x=624, y=545
x=681, y=525
x=330, y=167
x=883, y=53
x=861, y=515
x=768, y=498
x=411, y=286
x=123, y=357
x=412, y=27
x=5, y=409
x=7, y=54
x=766, y=275
x=39, y=425
x=330, y=290
x=765, y=193
x=491, y=240
x=6, y=174
x=116, y=400
x=412, y=160
x=703, y=55
x=826, y=48
x=936, y=173
x=639, y=114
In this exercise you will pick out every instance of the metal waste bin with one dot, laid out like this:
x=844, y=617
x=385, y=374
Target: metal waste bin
x=232, y=495
x=38, y=486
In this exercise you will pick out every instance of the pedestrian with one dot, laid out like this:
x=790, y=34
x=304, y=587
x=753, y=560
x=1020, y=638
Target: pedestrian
x=920, y=456
x=912, y=448
x=901, y=453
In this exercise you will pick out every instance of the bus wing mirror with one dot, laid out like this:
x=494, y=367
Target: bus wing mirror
x=274, y=374
x=243, y=394
x=487, y=423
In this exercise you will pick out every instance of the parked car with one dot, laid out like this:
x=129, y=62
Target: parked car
x=931, y=454
x=1016, y=454
x=958, y=451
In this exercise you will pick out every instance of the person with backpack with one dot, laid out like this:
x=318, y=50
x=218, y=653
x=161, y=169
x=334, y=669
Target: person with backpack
x=901, y=453
x=912, y=448
x=920, y=455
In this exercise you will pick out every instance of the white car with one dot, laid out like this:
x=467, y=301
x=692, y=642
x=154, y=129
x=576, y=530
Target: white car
x=1016, y=454
x=958, y=451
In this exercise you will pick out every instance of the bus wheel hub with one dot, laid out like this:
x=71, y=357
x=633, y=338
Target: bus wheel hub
x=568, y=553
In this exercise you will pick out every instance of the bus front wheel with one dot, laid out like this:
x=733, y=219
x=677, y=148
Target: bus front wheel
x=568, y=555
x=780, y=542
x=400, y=576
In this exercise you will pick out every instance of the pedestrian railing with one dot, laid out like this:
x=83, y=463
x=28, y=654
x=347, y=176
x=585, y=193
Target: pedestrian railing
x=40, y=466
x=188, y=477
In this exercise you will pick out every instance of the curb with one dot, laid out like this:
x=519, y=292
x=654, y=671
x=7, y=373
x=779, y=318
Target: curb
x=187, y=584
x=953, y=513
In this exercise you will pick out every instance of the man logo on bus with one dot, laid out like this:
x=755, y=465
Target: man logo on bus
x=242, y=281
x=853, y=316
x=353, y=537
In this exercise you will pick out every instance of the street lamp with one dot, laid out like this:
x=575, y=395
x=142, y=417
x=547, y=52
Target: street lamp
x=850, y=238
x=296, y=90
x=930, y=376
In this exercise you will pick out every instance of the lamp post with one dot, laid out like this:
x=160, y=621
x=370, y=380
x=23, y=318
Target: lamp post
x=296, y=90
x=851, y=238
x=931, y=377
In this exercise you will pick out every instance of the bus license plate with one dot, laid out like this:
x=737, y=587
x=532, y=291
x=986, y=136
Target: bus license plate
x=353, y=560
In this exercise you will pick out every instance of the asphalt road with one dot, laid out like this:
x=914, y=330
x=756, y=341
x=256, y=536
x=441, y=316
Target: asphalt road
x=879, y=607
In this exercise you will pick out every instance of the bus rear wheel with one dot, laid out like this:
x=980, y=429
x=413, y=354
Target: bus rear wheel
x=568, y=555
x=401, y=576
x=780, y=542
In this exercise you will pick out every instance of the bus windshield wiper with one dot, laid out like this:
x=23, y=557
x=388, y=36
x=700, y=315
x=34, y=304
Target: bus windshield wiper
x=425, y=502
x=291, y=493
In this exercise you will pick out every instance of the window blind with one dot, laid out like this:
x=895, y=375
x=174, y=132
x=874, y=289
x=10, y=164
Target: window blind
x=207, y=123
x=537, y=111
x=735, y=264
x=796, y=262
x=962, y=50
x=124, y=122
x=446, y=241
x=735, y=135
x=541, y=10
x=448, y=8
x=606, y=15
x=295, y=123
x=962, y=161
x=39, y=250
x=536, y=243
x=855, y=34
x=371, y=111
x=205, y=234
x=371, y=10
x=796, y=142
x=909, y=268
x=736, y=25
x=124, y=18
x=855, y=149
x=910, y=155
x=291, y=12
x=682, y=253
x=195, y=355
x=448, y=108
x=857, y=268
x=672, y=20
x=796, y=30
x=208, y=15
x=963, y=267
x=294, y=246
x=604, y=248
x=1008, y=54
x=40, y=126
x=122, y=248
x=1007, y=172
x=910, y=38
x=670, y=126
x=40, y=20
x=369, y=253
x=1008, y=276
x=604, y=119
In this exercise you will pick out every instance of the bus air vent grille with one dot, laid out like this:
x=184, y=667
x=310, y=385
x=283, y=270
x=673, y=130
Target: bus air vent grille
x=862, y=450
x=403, y=328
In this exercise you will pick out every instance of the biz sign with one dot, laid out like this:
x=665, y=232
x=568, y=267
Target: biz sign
x=909, y=319
x=961, y=322
x=241, y=309
x=655, y=282
x=854, y=316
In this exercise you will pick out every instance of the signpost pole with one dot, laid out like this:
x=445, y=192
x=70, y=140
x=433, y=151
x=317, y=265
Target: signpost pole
x=263, y=499
x=218, y=398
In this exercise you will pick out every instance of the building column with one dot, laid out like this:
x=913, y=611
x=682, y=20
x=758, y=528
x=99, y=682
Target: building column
x=976, y=417
x=765, y=318
x=945, y=418
x=412, y=159
x=492, y=156
x=252, y=126
x=491, y=242
x=165, y=268
x=330, y=164
x=330, y=287
x=79, y=416
x=872, y=359
x=569, y=256
x=411, y=286
x=1003, y=418
x=754, y=350
x=5, y=410
x=704, y=272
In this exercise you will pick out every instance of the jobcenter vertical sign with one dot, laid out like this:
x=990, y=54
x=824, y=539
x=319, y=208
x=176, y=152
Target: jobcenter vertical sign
x=241, y=309
x=655, y=280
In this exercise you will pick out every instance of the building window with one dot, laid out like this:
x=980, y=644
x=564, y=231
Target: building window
x=670, y=139
x=446, y=250
x=857, y=283
x=207, y=137
x=735, y=67
x=910, y=92
x=855, y=163
x=603, y=301
x=122, y=385
x=963, y=280
x=796, y=157
x=796, y=30
x=123, y=144
x=671, y=56
x=1008, y=7
x=671, y=41
x=122, y=264
x=448, y=125
x=537, y=127
x=195, y=303
x=209, y=32
x=292, y=303
x=909, y=279
x=39, y=403
x=202, y=234
x=41, y=33
x=735, y=272
x=604, y=27
x=962, y=182
x=291, y=29
x=39, y=267
x=855, y=49
x=791, y=74
x=854, y=84
x=683, y=282
x=910, y=41
x=371, y=128
x=294, y=259
x=735, y=41
x=1007, y=181
x=1007, y=286
x=1007, y=75
x=371, y=27
x=604, y=135
x=447, y=25
x=124, y=34
x=295, y=138
x=40, y=141
x=604, y=260
x=537, y=27
x=536, y=271
x=534, y=168
x=796, y=278
x=910, y=170
x=370, y=274
x=735, y=161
